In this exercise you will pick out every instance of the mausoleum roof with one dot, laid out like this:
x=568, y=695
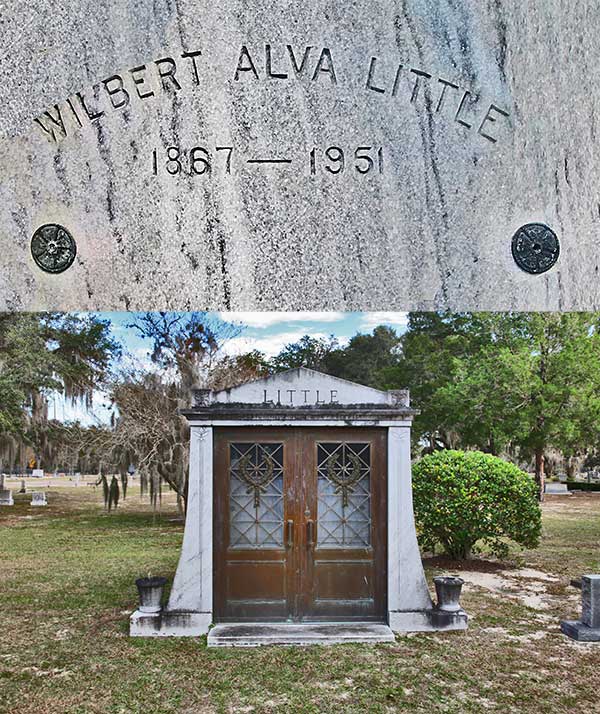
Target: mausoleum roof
x=300, y=393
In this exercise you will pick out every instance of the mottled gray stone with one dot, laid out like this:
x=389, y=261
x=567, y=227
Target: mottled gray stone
x=576, y=630
x=429, y=620
x=434, y=230
x=588, y=628
x=6, y=498
x=590, y=600
x=169, y=624
x=285, y=633
x=38, y=498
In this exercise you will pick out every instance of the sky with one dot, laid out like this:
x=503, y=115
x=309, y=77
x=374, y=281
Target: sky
x=268, y=332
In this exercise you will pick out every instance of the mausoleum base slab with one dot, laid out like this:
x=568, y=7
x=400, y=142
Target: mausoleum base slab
x=285, y=633
x=576, y=630
x=169, y=623
x=432, y=620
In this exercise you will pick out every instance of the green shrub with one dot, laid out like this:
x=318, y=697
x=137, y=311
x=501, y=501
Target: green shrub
x=465, y=499
x=582, y=486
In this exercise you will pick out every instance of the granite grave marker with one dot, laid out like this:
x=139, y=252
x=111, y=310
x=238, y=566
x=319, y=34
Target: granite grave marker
x=6, y=498
x=588, y=628
x=254, y=154
x=38, y=498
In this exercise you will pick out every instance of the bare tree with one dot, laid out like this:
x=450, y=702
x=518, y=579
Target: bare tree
x=148, y=429
x=188, y=345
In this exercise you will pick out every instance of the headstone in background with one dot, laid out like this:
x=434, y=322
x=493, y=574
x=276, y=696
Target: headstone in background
x=590, y=596
x=38, y=498
x=557, y=489
x=6, y=498
x=588, y=628
x=38, y=473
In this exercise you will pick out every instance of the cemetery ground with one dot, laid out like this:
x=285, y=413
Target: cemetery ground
x=67, y=587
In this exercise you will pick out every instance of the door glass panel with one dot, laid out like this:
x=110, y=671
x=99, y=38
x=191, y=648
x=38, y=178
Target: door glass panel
x=256, y=495
x=344, y=495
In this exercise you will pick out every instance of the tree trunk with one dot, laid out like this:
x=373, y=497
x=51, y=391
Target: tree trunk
x=185, y=495
x=540, y=476
x=431, y=443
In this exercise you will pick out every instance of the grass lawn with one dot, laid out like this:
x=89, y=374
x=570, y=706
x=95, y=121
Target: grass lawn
x=67, y=586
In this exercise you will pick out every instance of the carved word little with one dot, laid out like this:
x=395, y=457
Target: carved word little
x=297, y=397
x=440, y=94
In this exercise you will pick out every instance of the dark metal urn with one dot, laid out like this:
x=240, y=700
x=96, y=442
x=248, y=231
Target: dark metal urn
x=448, y=589
x=150, y=590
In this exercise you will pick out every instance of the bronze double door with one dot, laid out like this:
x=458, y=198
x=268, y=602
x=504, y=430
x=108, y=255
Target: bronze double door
x=300, y=524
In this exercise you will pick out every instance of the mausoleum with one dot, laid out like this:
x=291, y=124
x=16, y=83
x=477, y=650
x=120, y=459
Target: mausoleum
x=300, y=518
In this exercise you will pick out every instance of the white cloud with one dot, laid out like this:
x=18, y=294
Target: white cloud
x=268, y=319
x=65, y=411
x=270, y=345
x=371, y=320
x=138, y=358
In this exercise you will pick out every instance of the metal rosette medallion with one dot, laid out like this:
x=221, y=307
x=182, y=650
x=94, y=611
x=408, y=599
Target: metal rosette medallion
x=53, y=248
x=535, y=248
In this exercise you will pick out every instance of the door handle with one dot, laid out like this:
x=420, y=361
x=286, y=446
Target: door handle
x=310, y=533
x=289, y=533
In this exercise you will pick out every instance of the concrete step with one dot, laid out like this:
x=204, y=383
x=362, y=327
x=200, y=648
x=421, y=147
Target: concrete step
x=255, y=634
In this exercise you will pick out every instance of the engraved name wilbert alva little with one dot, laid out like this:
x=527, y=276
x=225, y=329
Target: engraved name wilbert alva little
x=278, y=63
x=535, y=246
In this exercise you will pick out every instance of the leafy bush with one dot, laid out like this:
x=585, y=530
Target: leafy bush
x=582, y=486
x=467, y=498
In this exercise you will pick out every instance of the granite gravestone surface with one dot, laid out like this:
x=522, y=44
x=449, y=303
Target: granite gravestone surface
x=38, y=498
x=588, y=628
x=6, y=498
x=557, y=489
x=253, y=155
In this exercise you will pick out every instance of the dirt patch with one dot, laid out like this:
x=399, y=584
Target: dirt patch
x=531, y=574
x=533, y=588
x=494, y=582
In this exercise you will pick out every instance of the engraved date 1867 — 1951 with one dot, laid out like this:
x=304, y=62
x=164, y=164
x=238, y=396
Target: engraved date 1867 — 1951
x=203, y=161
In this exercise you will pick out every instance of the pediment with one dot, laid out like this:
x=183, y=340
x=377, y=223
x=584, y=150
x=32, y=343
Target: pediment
x=303, y=387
